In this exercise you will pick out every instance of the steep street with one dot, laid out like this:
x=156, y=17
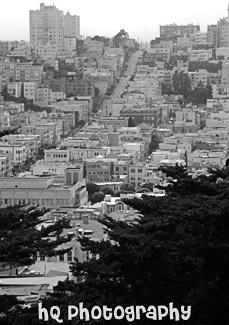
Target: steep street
x=120, y=86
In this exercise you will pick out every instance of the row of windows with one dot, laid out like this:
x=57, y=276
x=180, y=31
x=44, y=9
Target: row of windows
x=102, y=179
x=124, y=168
x=56, y=155
x=97, y=166
x=98, y=172
x=134, y=171
x=61, y=257
x=44, y=202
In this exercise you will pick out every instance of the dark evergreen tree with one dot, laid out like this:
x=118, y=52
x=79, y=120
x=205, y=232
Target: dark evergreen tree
x=21, y=240
x=176, y=251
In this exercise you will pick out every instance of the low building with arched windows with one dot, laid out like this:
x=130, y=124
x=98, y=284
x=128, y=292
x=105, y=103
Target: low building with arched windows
x=49, y=191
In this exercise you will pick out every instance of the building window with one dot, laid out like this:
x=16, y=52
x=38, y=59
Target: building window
x=75, y=177
x=42, y=258
x=69, y=254
x=69, y=178
x=62, y=258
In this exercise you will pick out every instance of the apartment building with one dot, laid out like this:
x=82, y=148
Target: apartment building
x=225, y=73
x=99, y=169
x=186, y=115
x=137, y=174
x=223, y=32
x=85, y=153
x=147, y=84
x=138, y=149
x=222, y=52
x=121, y=167
x=14, y=89
x=72, y=26
x=46, y=133
x=47, y=27
x=167, y=31
x=151, y=116
x=79, y=87
x=80, y=107
x=57, y=155
x=30, y=89
x=76, y=87
x=93, y=46
x=14, y=108
x=17, y=151
x=201, y=159
x=55, y=162
x=129, y=133
x=197, y=77
x=31, y=142
x=28, y=72
x=45, y=51
x=160, y=53
x=4, y=48
x=112, y=123
x=220, y=91
x=212, y=34
x=200, y=38
x=200, y=55
x=5, y=165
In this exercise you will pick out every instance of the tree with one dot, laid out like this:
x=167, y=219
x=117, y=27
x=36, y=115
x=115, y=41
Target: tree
x=118, y=40
x=9, y=131
x=127, y=187
x=153, y=145
x=176, y=251
x=181, y=83
x=150, y=186
x=21, y=241
x=97, y=91
x=143, y=190
x=105, y=40
x=200, y=94
x=92, y=188
x=97, y=197
x=131, y=122
x=108, y=191
x=166, y=89
x=80, y=123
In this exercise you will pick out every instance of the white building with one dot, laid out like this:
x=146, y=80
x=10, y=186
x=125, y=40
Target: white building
x=200, y=55
x=49, y=192
x=49, y=26
x=14, y=89
x=72, y=26
x=222, y=51
x=196, y=77
x=30, y=90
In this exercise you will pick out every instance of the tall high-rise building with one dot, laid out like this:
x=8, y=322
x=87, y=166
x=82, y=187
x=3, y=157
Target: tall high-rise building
x=167, y=31
x=212, y=34
x=223, y=31
x=72, y=25
x=49, y=26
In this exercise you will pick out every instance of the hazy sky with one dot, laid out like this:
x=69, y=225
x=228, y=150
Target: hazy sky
x=140, y=18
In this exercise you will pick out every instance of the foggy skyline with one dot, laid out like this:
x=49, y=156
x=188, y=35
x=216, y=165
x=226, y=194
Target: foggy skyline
x=141, y=19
